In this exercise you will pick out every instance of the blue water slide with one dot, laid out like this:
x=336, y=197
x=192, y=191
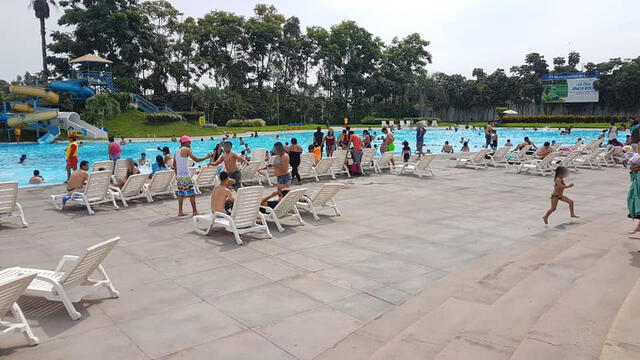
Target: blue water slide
x=79, y=88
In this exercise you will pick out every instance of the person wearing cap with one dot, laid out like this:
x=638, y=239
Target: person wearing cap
x=185, y=186
x=71, y=155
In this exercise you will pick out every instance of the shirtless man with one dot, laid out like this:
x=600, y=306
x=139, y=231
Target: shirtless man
x=79, y=178
x=387, y=143
x=221, y=197
x=231, y=161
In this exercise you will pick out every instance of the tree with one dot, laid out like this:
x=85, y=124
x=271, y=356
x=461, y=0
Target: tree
x=573, y=59
x=100, y=108
x=117, y=30
x=42, y=11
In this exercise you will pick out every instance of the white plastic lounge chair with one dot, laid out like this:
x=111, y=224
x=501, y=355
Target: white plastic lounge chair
x=367, y=159
x=568, y=161
x=104, y=165
x=544, y=166
x=339, y=166
x=207, y=177
x=475, y=161
x=132, y=189
x=557, y=146
x=307, y=160
x=322, y=199
x=324, y=167
x=383, y=162
x=11, y=288
x=70, y=282
x=95, y=192
x=120, y=171
x=498, y=157
x=421, y=168
x=607, y=158
x=161, y=184
x=383, y=124
x=259, y=154
x=286, y=207
x=9, y=207
x=243, y=218
x=590, y=159
x=249, y=172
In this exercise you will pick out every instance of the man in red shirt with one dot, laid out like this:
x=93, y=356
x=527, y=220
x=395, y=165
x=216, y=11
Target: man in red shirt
x=356, y=152
x=71, y=154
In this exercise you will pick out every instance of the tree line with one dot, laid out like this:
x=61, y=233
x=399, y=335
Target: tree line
x=266, y=66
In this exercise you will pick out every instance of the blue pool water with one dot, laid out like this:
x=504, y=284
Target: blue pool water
x=49, y=158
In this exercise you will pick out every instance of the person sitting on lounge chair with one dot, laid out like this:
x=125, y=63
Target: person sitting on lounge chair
x=545, y=150
x=271, y=200
x=79, y=178
x=132, y=169
x=221, y=196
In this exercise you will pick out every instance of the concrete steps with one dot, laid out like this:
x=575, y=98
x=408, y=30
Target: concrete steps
x=567, y=288
x=623, y=339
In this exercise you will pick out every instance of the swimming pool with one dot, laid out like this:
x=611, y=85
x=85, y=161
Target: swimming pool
x=49, y=158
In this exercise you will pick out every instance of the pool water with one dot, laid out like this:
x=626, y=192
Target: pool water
x=50, y=158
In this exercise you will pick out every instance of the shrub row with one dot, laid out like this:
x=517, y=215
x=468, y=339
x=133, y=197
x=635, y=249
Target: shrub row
x=565, y=118
x=370, y=120
x=246, y=123
x=161, y=118
x=191, y=115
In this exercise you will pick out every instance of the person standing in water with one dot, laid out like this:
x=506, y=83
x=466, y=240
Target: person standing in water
x=185, y=186
x=488, y=131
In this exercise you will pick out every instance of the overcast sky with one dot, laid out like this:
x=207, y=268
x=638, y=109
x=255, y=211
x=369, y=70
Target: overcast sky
x=463, y=33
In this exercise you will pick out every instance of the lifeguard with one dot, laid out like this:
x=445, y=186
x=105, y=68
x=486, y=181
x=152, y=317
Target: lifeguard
x=71, y=154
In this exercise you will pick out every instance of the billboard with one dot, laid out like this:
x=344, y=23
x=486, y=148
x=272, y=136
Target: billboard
x=569, y=88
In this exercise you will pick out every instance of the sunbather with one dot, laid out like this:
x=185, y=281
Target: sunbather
x=79, y=178
x=221, y=196
x=132, y=169
x=274, y=198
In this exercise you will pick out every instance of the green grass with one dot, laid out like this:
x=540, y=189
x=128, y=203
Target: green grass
x=132, y=123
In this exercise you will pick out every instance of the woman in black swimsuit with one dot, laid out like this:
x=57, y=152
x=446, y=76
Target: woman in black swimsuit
x=294, y=159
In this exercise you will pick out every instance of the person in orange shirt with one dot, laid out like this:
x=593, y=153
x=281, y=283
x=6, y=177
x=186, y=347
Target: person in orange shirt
x=71, y=154
x=18, y=133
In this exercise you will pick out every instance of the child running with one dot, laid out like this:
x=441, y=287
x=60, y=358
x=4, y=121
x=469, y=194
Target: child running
x=558, y=194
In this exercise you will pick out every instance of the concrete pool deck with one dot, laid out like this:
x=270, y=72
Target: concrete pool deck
x=458, y=266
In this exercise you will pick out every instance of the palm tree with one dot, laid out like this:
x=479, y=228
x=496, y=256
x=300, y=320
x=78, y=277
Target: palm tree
x=42, y=12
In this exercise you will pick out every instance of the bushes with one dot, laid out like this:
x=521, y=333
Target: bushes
x=162, y=118
x=100, y=108
x=370, y=120
x=123, y=98
x=246, y=123
x=191, y=115
x=547, y=119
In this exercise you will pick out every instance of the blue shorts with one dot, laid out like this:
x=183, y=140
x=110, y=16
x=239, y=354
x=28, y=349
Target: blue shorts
x=284, y=179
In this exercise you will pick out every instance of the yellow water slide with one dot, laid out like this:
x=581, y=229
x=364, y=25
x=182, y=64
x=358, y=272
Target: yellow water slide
x=29, y=115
